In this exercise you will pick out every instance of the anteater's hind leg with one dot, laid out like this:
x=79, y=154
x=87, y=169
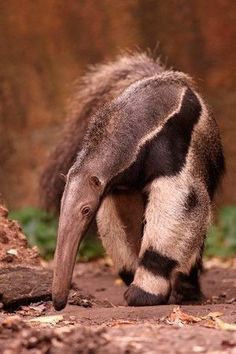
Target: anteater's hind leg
x=120, y=225
x=177, y=217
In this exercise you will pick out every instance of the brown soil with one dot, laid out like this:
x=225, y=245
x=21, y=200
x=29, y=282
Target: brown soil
x=97, y=320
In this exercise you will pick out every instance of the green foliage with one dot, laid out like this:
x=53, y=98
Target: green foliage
x=221, y=240
x=40, y=228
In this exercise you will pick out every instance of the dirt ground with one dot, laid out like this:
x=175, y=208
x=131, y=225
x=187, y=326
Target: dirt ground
x=97, y=320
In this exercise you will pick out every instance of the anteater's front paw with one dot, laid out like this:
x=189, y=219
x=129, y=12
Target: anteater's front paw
x=135, y=296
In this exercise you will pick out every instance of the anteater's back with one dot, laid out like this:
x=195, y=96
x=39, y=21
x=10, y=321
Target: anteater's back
x=101, y=84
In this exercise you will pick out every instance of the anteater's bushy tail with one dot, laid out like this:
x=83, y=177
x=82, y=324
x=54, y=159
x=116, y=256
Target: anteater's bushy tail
x=101, y=83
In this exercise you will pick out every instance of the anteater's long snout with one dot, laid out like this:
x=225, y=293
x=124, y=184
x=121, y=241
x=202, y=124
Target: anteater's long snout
x=69, y=238
x=79, y=205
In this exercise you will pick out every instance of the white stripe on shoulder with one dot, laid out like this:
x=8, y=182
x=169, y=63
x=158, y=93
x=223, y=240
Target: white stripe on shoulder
x=150, y=135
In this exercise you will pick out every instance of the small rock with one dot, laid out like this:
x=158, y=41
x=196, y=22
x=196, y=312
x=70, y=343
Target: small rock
x=15, y=225
x=8, y=258
x=228, y=344
x=72, y=318
x=199, y=349
x=32, y=341
x=12, y=252
x=21, y=237
x=100, y=289
x=3, y=237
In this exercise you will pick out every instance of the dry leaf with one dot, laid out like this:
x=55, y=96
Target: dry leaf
x=230, y=301
x=32, y=310
x=209, y=324
x=118, y=281
x=122, y=322
x=177, y=315
x=212, y=315
x=225, y=326
x=47, y=319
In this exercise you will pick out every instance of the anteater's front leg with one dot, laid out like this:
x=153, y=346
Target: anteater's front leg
x=120, y=224
x=177, y=217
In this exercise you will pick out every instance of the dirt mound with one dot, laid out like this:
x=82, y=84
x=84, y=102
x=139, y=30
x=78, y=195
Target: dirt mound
x=14, y=248
x=23, y=279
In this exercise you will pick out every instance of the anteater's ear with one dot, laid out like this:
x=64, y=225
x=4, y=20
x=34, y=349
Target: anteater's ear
x=95, y=182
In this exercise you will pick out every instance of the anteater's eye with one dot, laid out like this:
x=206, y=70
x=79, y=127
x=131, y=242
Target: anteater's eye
x=85, y=211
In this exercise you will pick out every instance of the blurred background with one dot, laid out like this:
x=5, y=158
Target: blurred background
x=46, y=45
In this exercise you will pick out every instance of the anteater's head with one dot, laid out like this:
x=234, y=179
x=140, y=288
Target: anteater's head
x=80, y=201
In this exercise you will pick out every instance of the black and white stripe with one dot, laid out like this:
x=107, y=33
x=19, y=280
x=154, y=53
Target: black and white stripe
x=158, y=264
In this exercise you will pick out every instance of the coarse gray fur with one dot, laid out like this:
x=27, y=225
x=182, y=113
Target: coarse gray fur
x=101, y=84
x=148, y=165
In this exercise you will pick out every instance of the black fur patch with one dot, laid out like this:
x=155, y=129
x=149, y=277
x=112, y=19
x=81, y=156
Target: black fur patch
x=127, y=276
x=191, y=200
x=135, y=296
x=187, y=286
x=215, y=170
x=165, y=154
x=158, y=264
